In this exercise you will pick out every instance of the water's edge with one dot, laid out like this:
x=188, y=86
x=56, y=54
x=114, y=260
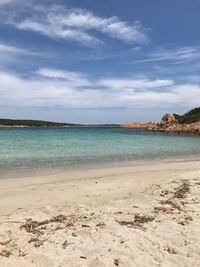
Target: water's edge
x=24, y=151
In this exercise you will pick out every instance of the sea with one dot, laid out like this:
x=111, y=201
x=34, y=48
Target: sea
x=54, y=149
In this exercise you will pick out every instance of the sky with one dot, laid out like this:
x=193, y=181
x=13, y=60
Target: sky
x=102, y=61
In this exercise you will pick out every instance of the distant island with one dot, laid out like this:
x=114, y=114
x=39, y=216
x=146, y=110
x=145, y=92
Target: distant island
x=172, y=123
x=38, y=123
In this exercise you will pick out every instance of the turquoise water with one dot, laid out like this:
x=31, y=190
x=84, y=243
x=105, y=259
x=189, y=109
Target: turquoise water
x=24, y=148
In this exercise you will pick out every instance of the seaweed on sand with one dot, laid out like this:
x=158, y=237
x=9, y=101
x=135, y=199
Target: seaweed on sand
x=5, y=253
x=182, y=191
x=32, y=226
x=138, y=221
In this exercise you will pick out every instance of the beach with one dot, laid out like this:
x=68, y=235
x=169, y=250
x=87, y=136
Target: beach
x=99, y=133
x=146, y=215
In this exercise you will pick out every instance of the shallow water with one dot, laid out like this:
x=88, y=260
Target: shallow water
x=39, y=148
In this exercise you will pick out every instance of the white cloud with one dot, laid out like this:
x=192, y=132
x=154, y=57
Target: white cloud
x=74, y=78
x=76, y=24
x=57, y=31
x=2, y=2
x=13, y=54
x=5, y=48
x=180, y=54
x=13, y=2
x=122, y=84
x=50, y=88
x=7, y=3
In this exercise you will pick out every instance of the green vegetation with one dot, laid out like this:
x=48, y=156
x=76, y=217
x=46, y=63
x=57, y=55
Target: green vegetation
x=32, y=123
x=36, y=123
x=189, y=117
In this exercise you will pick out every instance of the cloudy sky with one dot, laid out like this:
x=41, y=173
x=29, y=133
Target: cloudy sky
x=102, y=61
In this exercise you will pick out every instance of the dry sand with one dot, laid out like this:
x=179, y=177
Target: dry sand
x=132, y=216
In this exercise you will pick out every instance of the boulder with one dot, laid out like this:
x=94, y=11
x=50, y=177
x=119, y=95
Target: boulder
x=168, y=119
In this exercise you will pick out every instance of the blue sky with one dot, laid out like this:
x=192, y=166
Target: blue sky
x=98, y=61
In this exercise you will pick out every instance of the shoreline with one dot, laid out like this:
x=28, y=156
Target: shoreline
x=33, y=171
x=121, y=216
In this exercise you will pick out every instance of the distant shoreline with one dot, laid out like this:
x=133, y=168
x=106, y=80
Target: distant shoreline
x=12, y=123
x=75, y=126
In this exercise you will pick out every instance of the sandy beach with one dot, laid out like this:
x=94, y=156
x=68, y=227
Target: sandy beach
x=132, y=216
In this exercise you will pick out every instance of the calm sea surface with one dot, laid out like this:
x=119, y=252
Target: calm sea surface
x=24, y=148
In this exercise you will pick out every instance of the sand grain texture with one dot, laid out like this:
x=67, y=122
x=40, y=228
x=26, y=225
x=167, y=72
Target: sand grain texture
x=145, y=216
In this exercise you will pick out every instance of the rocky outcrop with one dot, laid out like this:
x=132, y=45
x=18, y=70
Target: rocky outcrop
x=168, y=119
x=170, y=124
x=179, y=128
x=139, y=125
